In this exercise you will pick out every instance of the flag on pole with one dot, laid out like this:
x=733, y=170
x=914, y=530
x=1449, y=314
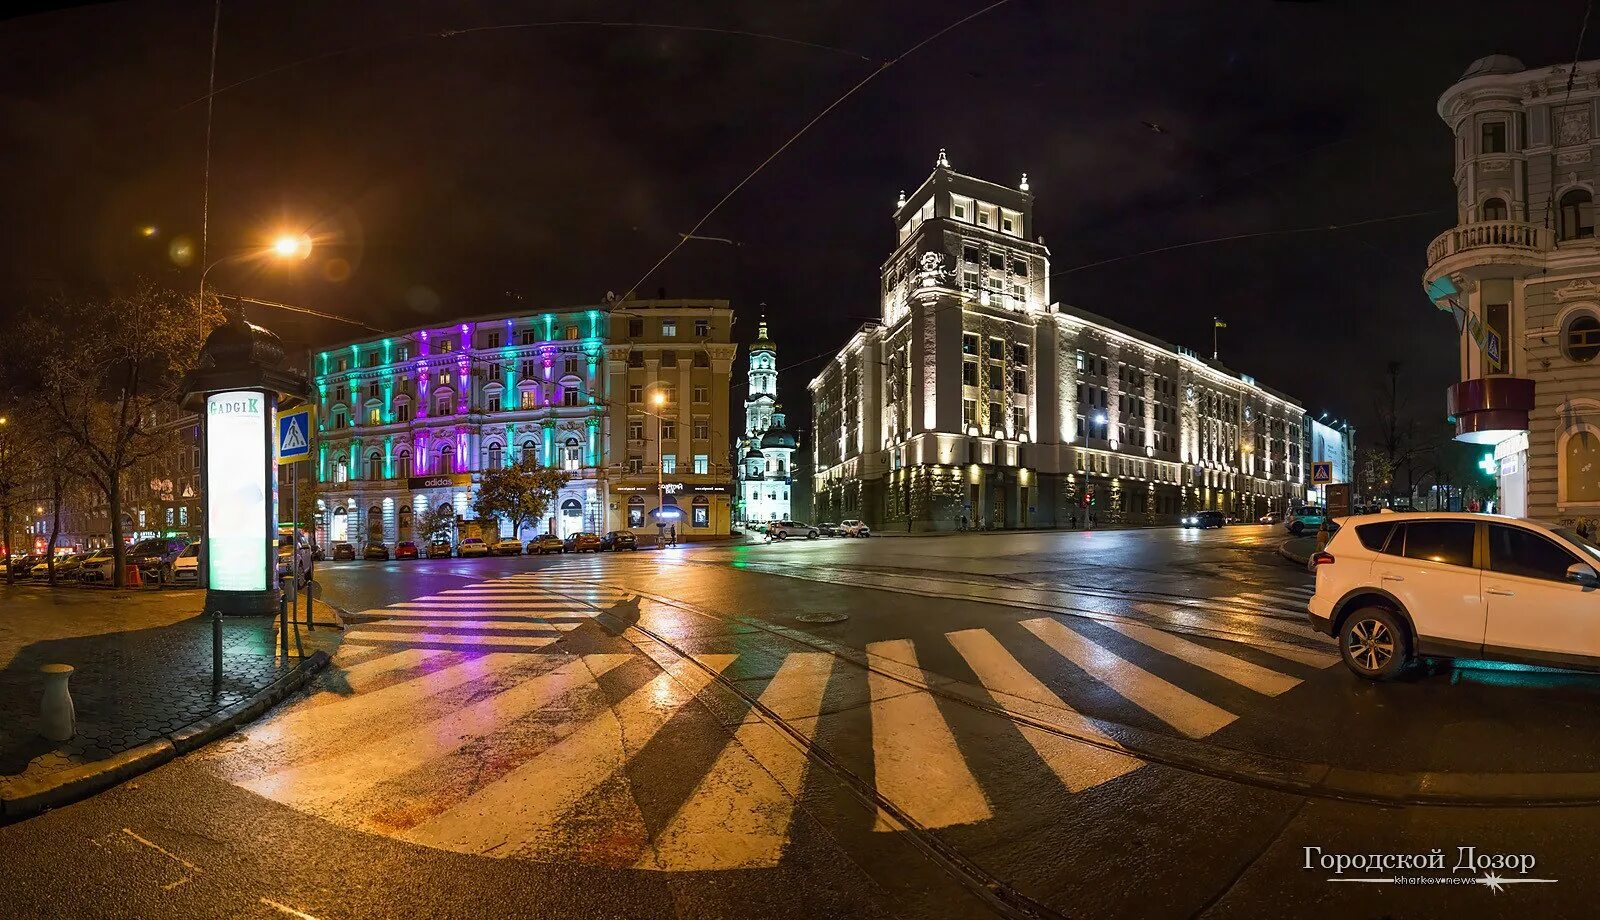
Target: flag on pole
x=1220, y=323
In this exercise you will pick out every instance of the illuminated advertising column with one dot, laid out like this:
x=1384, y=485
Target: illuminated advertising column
x=241, y=502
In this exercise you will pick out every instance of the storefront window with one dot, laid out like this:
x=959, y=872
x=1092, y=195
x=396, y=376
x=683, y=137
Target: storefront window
x=701, y=513
x=636, y=512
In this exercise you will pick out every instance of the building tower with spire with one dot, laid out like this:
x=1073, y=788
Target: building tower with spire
x=767, y=449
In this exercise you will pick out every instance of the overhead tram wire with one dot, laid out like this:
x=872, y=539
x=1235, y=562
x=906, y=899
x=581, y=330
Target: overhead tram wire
x=882, y=66
x=1320, y=228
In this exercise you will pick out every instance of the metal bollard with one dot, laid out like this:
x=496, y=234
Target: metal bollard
x=57, y=719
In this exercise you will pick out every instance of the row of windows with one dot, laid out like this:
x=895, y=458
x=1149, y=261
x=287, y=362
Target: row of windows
x=969, y=417
x=701, y=464
x=971, y=341
x=669, y=328
x=700, y=431
x=997, y=377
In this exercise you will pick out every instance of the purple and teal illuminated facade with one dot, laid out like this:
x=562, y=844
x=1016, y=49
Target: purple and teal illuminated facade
x=408, y=421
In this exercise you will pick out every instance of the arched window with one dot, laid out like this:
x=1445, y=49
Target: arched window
x=1580, y=466
x=571, y=455
x=1580, y=341
x=374, y=524
x=339, y=530
x=442, y=403
x=375, y=465
x=496, y=456
x=571, y=391
x=530, y=451
x=1577, y=215
x=447, y=459
x=402, y=464
x=341, y=471
x=1494, y=209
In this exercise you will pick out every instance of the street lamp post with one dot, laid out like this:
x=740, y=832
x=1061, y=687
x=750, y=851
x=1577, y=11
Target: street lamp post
x=659, y=399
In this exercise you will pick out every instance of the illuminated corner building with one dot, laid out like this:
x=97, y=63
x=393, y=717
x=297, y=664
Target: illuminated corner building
x=767, y=448
x=975, y=396
x=1520, y=275
x=409, y=421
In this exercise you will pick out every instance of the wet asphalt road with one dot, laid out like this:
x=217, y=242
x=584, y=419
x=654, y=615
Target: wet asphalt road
x=986, y=730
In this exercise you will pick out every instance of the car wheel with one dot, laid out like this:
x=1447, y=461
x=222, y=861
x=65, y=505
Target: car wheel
x=812, y=535
x=1374, y=643
x=782, y=535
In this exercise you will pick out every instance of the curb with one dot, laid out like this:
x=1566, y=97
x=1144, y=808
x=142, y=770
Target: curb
x=29, y=797
x=1285, y=552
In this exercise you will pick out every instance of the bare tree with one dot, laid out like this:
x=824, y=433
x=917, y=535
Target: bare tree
x=108, y=372
x=18, y=468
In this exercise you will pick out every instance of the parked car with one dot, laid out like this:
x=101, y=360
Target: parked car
x=439, y=549
x=96, y=566
x=377, y=552
x=581, y=542
x=546, y=543
x=154, y=556
x=405, y=549
x=783, y=530
x=1397, y=586
x=1204, y=519
x=186, y=568
x=294, y=556
x=1304, y=520
x=618, y=540
x=343, y=551
x=21, y=566
x=854, y=528
x=1270, y=518
x=509, y=546
x=472, y=546
x=828, y=529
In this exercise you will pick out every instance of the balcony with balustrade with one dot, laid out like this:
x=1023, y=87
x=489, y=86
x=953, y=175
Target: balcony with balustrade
x=1508, y=247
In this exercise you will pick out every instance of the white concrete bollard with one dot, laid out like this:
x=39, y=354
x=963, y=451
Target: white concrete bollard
x=57, y=719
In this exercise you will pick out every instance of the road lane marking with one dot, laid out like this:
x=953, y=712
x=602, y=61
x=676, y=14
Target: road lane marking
x=423, y=636
x=488, y=626
x=517, y=810
x=1268, y=602
x=1078, y=765
x=738, y=816
x=1244, y=673
x=1173, y=705
x=334, y=718
x=322, y=784
x=917, y=763
x=358, y=677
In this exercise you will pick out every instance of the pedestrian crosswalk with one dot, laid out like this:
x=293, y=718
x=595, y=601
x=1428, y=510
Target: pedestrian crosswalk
x=525, y=718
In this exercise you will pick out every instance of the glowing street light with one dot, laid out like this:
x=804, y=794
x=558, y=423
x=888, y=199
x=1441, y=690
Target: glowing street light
x=292, y=246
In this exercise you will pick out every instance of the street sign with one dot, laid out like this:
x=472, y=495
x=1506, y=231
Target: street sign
x=1338, y=499
x=1321, y=472
x=294, y=435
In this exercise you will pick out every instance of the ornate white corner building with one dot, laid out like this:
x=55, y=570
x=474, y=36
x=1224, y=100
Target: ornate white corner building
x=766, y=452
x=1520, y=272
x=976, y=397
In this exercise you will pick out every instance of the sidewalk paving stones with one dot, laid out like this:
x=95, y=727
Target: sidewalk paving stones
x=142, y=675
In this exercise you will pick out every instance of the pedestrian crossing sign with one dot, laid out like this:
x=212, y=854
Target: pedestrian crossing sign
x=294, y=435
x=1321, y=472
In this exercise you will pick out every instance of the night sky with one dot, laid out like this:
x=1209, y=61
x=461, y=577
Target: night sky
x=494, y=169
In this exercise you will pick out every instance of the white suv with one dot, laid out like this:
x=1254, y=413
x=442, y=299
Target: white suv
x=1394, y=586
x=854, y=528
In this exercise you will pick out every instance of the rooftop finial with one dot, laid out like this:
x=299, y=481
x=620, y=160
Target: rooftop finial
x=1024, y=182
x=943, y=160
x=902, y=202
